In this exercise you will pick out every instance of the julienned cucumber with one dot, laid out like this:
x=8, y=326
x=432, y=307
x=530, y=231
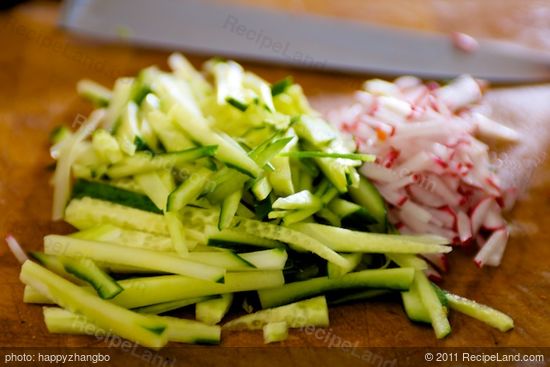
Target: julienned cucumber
x=224, y=259
x=367, y=196
x=337, y=298
x=274, y=259
x=104, y=191
x=344, y=240
x=161, y=292
x=172, y=305
x=352, y=216
x=125, y=237
x=86, y=212
x=399, y=278
x=335, y=271
x=414, y=308
x=431, y=301
x=228, y=181
x=142, y=162
x=300, y=200
x=84, y=269
x=189, y=190
x=148, y=259
x=177, y=330
x=275, y=332
x=294, y=238
x=197, y=128
x=141, y=329
x=229, y=238
x=157, y=185
x=311, y=312
x=54, y=263
x=212, y=311
x=140, y=292
x=229, y=207
x=486, y=314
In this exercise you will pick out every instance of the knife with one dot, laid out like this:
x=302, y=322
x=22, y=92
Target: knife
x=310, y=41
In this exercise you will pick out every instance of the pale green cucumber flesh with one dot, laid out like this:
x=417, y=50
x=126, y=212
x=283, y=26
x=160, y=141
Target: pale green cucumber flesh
x=398, y=278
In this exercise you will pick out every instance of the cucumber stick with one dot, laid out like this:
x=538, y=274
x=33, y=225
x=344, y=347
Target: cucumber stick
x=141, y=329
x=229, y=181
x=262, y=188
x=169, y=290
x=125, y=237
x=87, y=270
x=301, y=200
x=171, y=137
x=56, y=265
x=274, y=259
x=225, y=259
x=189, y=190
x=356, y=296
x=177, y=330
x=228, y=238
x=345, y=240
x=197, y=128
x=408, y=261
x=414, y=308
x=367, y=196
x=107, y=192
x=154, y=260
x=128, y=129
x=352, y=216
x=120, y=97
x=106, y=146
x=281, y=177
x=163, y=307
x=84, y=269
x=156, y=187
x=294, y=238
x=335, y=271
x=87, y=212
x=229, y=208
x=301, y=215
x=275, y=332
x=311, y=312
x=431, y=301
x=486, y=314
x=177, y=233
x=143, y=162
x=94, y=92
x=31, y=295
x=146, y=291
x=212, y=311
x=399, y=278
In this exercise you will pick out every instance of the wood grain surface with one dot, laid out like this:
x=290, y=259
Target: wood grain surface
x=40, y=65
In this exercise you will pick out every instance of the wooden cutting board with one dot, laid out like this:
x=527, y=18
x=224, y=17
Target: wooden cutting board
x=40, y=65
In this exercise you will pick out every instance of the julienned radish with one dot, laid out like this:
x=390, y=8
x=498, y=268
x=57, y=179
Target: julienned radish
x=429, y=163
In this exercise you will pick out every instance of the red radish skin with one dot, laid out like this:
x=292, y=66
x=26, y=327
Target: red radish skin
x=479, y=213
x=491, y=252
x=433, y=274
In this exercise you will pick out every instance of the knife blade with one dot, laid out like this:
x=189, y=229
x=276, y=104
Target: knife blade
x=304, y=40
